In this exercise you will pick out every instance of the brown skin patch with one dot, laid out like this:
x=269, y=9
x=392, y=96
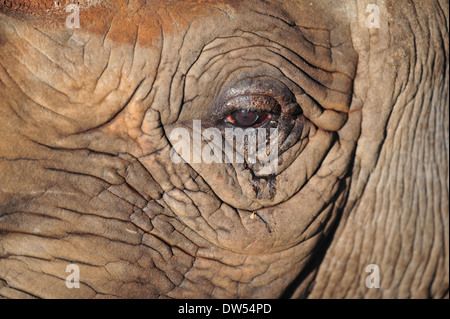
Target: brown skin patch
x=96, y=16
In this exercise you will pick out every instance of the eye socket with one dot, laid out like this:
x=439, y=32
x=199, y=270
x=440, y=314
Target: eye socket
x=245, y=118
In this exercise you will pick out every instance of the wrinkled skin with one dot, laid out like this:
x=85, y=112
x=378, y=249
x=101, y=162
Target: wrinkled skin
x=87, y=179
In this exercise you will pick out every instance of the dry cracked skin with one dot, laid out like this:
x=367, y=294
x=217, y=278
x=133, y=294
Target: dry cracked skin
x=87, y=177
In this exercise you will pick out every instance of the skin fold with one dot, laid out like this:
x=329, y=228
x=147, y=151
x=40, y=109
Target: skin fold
x=86, y=117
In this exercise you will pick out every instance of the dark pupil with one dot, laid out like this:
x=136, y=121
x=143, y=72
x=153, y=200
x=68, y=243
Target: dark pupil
x=244, y=118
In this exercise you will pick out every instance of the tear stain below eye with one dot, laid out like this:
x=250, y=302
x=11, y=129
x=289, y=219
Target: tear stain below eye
x=261, y=182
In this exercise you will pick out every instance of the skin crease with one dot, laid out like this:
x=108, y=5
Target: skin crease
x=86, y=117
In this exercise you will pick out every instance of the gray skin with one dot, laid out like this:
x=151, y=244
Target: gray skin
x=87, y=179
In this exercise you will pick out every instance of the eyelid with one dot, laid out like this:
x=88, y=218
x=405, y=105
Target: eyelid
x=256, y=102
x=259, y=94
x=264, y=88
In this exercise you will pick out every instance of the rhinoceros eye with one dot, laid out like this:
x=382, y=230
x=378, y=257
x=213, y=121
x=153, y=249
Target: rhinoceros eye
x=245, y=118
